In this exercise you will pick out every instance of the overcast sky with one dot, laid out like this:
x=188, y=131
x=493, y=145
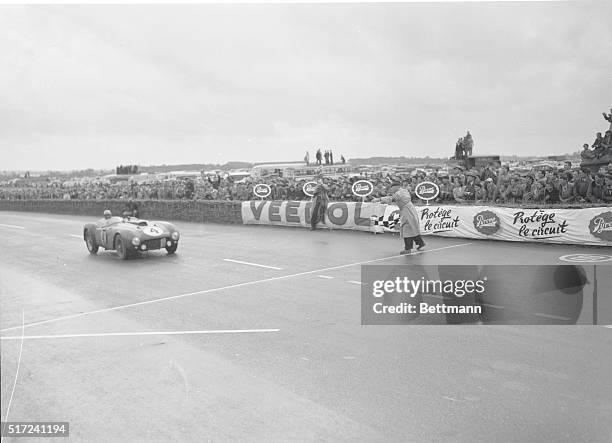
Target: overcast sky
x=97, y=86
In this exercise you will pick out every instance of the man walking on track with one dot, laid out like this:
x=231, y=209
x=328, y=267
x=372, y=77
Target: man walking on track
x=409, y=219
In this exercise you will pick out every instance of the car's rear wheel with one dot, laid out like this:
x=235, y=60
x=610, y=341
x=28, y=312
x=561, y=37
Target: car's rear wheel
x=121, y=248
x=172, y=249
x=90, y=241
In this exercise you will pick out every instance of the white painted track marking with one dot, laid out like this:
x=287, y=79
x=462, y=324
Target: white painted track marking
x=11, y=226
x=75, y=236
x=222, y=288
x=355, y=282
x=134, y=334
x=325, y=276
x=8, y=408
x=252, y=264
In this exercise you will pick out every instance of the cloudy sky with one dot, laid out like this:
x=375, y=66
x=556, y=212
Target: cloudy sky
x=96, y=86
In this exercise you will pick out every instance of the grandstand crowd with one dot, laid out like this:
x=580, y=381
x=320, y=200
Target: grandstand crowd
x=488, y=185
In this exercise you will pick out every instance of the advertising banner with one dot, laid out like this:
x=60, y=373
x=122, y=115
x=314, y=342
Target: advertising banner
x=340, y=215
x=586, y=226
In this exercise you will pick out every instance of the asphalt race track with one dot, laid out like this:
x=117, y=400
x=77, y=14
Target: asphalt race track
x=253, y=333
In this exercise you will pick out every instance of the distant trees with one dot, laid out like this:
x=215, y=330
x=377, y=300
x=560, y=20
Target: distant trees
x=126, y=169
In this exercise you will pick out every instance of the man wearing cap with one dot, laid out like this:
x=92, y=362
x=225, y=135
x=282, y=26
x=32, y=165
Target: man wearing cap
x=409, y=218
x=491, y=190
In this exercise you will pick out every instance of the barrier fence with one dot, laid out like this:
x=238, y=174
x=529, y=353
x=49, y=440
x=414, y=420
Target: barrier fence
x=584, y=225
x=192, y=211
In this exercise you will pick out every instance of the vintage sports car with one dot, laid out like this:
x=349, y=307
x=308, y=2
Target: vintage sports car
x=129, y=235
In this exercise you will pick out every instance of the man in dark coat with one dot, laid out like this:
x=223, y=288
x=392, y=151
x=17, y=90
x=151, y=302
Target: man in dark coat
x=319, y=204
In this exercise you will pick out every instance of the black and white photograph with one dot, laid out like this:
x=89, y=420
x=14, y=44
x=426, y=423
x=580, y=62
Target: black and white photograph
x=306, y=221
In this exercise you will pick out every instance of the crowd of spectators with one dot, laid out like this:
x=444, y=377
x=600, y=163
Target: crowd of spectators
x=488, y=185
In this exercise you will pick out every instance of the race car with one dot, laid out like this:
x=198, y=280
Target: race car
x=129, y=235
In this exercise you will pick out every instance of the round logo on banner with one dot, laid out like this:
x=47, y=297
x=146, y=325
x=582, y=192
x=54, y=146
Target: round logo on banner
x=487, y=222
x=309, y=188
x=261, y=190
x=601, y=226
x=427, y=191
x=362, y=188
x=586, y=258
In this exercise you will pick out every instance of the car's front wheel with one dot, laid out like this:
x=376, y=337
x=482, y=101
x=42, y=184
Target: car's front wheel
x=90, y=241
x=172, y=249
x=121, y=248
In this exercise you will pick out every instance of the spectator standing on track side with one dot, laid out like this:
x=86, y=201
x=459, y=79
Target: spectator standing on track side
x=342, y=159
x=320, y=200
x=326, y=155
x=318, y=156
x=331, y=157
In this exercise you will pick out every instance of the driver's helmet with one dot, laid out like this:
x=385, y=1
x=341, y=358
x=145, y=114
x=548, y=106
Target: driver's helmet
x=107, y=214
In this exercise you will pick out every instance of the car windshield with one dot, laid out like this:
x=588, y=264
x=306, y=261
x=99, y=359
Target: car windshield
x=137, y=222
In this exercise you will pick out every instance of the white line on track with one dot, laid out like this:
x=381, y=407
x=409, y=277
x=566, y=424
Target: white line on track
x=130, y=334
x=8, y=408
x=325, y=276
x=355, y=282
x=251, y=264
x=11, y=226
x=223, y=288
x=75, y=236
